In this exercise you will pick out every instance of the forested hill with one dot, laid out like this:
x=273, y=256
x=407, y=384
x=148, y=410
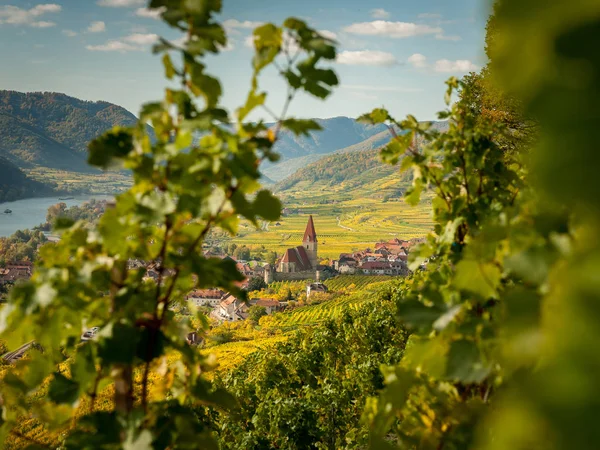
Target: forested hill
x=51, y=129
x=346, y=171
x=14, y=184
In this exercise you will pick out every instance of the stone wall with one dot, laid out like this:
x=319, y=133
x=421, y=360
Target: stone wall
x=294, y=276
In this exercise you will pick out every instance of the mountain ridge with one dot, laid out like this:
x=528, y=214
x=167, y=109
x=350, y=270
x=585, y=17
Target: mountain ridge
x=52, y=129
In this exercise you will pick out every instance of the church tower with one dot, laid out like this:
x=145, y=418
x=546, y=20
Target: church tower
x=309, y=242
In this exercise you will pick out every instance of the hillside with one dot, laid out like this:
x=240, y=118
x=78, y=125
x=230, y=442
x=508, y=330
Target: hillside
x=336, y=132
x=52, y=130
x=14, y=184
x=344, y=172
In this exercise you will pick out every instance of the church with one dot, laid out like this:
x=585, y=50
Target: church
x=298, y=263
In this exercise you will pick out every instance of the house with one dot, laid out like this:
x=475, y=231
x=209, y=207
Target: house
x=376, y=268
x=270, y=305
x=206, y=297
x=315, y=287
x=231, y=309
x=15, y=271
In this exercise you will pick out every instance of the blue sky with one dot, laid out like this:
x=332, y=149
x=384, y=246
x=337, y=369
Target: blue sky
x=393, y=53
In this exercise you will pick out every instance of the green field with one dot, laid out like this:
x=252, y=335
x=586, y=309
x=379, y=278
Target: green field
x=77, y=182
x=347, y=217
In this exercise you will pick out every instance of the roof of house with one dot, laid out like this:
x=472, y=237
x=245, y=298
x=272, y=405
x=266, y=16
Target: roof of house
x=207, y=293
x=376, y=265
x=298, y=256
x=318, y=287
x=266, y=302
x=310, y=235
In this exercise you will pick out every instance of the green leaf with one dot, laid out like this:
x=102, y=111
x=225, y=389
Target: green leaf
x=481, y=278
x=254, y=99
x=464, y=363
x=301, y=127
x=63, y=389
x=267, y=205
x=120, y=346
x=170, y=71
x=114, y=145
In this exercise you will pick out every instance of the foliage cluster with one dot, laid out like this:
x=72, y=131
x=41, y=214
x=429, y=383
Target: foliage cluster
x=310, y=391
x=183, y=187
x=505, y=331
x=21, y=246
x=89, y=212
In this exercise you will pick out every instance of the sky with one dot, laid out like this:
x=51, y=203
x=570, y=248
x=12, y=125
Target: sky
x=392, y=53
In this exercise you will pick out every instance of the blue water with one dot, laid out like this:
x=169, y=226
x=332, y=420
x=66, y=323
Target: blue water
x=31, y=212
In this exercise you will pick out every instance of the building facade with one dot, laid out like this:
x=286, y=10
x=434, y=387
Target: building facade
x=298, y=263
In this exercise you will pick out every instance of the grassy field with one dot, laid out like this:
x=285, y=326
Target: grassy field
x=346, y=218
x=88, y=183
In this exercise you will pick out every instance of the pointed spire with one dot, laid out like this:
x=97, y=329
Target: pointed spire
x=310, y=235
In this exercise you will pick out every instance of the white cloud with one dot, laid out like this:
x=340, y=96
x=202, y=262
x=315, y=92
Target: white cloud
x=17, y=16
x=366, y=58
x=232, y=25
x=458, y=66
x=380, y=13
x=121, y=3
x=69, y=33
x=328, y=34
x=149, y=13
x=113, y=46
x=96, y=27
x=131, y=43
x=249, y=41
x=391, y=29
x=444, y=37
x=429, y=16
x=229, y=47
x=361, y=87
x=42, y=24
x=418, y=60
x=141, y=38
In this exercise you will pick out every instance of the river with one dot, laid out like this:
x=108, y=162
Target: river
x=31, y=212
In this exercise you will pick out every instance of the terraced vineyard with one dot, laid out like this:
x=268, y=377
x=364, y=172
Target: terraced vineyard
x=335, y=284
x=313, y=314
x=355, y=281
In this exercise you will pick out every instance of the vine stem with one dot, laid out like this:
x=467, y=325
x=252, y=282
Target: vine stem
x=28, y=439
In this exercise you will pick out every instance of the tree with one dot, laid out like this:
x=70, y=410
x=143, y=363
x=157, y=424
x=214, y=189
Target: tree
x=256, y=284
x=241, y=254
x=255, y=312
x=271, y=258
x=198, y=172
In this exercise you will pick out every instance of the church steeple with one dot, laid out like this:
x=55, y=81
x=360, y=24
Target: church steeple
x=309, y=242
x=310, y=234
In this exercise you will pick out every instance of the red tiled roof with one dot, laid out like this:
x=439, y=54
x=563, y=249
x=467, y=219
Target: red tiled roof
x=266, y=302
x=206, y=293
x=310, y=235
x=305, y=260
x=298, y=256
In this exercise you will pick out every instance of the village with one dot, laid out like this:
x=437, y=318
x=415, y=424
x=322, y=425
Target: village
x=297, y=264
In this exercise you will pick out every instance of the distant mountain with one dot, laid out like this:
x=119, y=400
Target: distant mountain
x=340, y=134
x=14, y=184
x=52, y=130
x=337, y=133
